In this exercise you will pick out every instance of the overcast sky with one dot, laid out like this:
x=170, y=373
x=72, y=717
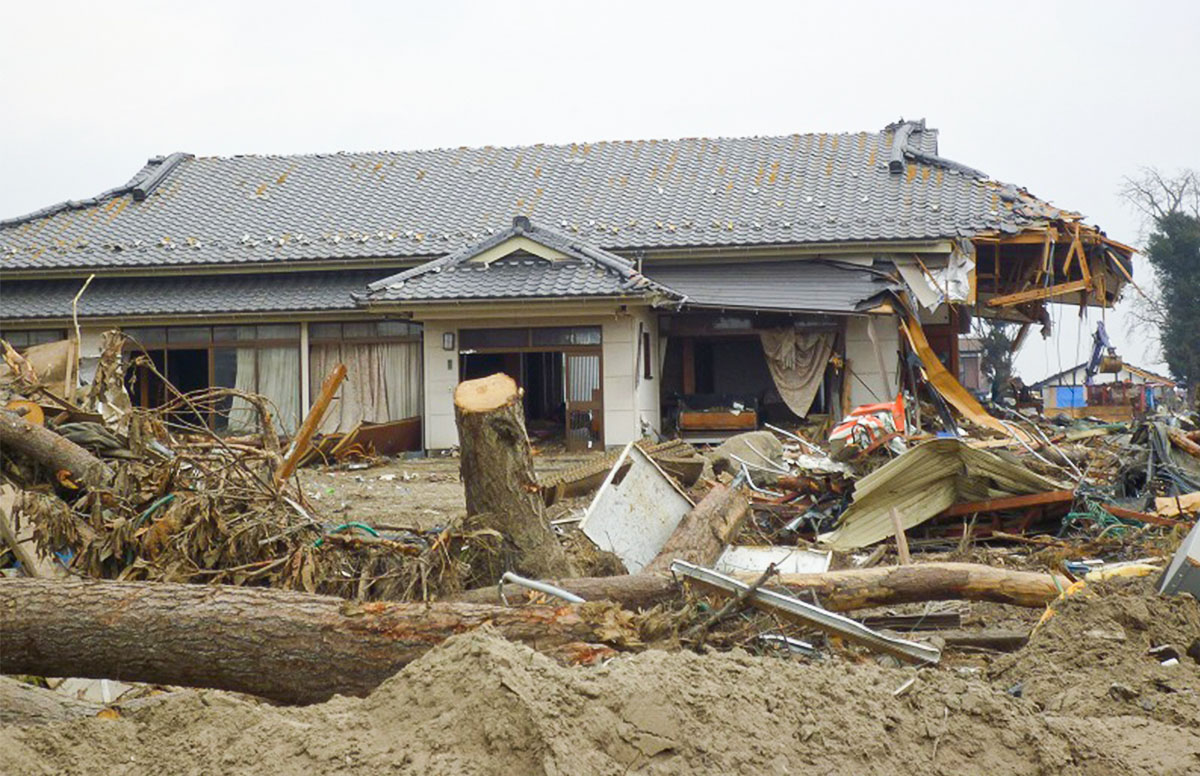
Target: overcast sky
x=1063, y=98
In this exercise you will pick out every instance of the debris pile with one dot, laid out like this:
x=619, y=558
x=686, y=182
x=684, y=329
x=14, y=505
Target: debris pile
x=875, y=560
x=162, y=498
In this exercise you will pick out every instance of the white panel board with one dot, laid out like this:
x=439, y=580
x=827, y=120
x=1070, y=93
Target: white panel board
x=754, y=559
x=634, y=514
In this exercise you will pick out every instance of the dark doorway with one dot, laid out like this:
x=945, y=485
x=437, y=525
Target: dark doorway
x=188, y=371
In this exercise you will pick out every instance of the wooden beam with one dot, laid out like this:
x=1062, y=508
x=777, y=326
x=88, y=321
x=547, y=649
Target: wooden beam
x=689, y=365
x=299, y=446
x=901, y=539
x=1010, y=502
x=1141, y=517
x=1034, y=294
x=1031, y=237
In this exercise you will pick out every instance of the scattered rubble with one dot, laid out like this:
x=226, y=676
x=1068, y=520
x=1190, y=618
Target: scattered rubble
x=665, y=590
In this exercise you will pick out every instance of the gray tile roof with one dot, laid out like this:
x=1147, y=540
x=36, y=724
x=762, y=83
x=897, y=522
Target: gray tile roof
x=807, y=285
x=586, y=271
x=620, y=196
x=177, y=295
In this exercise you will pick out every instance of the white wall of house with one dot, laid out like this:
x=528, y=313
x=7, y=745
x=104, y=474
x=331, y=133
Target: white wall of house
x=867, y=384
x=647, y=392
x=626, y=403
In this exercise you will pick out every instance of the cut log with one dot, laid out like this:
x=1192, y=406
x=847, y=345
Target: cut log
x=496, y=463
x=842, y=591
x=56, y=452
x=285, y=646
x=704, y=531
x=851, y=589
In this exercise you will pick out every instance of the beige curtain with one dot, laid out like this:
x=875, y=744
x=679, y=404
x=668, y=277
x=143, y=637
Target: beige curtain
x=242, y=417
x=274, y=373
x=797, y=363
x=383, y=382
x=279, y=381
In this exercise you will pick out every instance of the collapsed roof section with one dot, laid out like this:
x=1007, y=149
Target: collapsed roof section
x=887, y=186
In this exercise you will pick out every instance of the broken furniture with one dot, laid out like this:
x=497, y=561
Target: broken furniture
x=715, y=418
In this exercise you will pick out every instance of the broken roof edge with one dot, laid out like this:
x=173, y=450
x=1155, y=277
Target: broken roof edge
x=902, y=131
x=143, y=183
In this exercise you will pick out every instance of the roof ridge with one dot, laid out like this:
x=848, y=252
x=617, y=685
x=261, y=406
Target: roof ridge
x=564, y=144
x=147, y=179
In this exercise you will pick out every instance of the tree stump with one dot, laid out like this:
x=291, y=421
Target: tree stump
x=497, y=472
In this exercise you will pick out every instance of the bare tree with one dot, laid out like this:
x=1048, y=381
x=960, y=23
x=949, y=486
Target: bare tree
x=1156, y=195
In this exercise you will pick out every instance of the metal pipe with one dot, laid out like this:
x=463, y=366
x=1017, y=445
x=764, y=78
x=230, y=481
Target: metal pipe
x=796, y=437
x=541, y=587
x=852, y=630
x=755, y=488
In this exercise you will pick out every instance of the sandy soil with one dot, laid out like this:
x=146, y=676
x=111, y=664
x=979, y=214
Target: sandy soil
x=420, y=493
x=1084, y=698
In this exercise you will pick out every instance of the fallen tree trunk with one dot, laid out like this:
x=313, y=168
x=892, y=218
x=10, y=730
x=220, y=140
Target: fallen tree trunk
x=704, y=531
x=496, y=463
x=51, y=450
x=841, y=591
x=285, y=646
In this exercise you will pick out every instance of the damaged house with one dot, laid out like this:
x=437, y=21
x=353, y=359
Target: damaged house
x=699, y=285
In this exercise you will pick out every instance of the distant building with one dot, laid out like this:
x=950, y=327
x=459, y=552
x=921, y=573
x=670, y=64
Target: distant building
x=1115, y=396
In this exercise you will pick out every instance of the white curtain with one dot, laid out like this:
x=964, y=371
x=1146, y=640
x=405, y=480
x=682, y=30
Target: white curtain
x=279, y=381
x=383, y=382
x=797, y=364
x=243, y=419
x=274, y=373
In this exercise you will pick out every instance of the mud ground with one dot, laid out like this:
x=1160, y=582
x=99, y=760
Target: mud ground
x=1083, y=699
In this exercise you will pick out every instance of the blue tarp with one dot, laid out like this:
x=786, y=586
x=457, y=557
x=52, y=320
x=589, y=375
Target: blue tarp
x=1070, y=396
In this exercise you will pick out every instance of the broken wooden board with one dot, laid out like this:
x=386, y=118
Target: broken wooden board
x=947, y=385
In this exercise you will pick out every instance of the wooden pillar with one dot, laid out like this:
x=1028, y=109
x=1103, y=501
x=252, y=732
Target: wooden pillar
x=689, y=365
x=952, y=349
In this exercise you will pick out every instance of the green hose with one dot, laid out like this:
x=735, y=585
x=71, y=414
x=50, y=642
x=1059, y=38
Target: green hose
x=343, y=527
x=161, y=502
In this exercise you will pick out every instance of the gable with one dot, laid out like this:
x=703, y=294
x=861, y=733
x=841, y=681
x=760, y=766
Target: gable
x=515, y=244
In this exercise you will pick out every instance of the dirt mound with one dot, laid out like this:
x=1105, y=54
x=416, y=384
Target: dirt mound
x=481, y=705
x=1093, y=656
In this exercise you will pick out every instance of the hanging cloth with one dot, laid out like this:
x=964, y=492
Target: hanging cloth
x=797, y=364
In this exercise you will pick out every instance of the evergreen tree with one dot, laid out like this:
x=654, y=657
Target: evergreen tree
x=1172, y=208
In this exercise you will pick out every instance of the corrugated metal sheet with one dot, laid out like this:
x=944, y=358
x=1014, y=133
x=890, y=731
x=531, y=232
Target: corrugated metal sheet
x=584, y=372
x=925, y=481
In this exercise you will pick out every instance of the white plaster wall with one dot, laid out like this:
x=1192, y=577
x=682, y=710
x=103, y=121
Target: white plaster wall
x=620, y=406
x=624, y=404
x=863, y=362
x=647, y=394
